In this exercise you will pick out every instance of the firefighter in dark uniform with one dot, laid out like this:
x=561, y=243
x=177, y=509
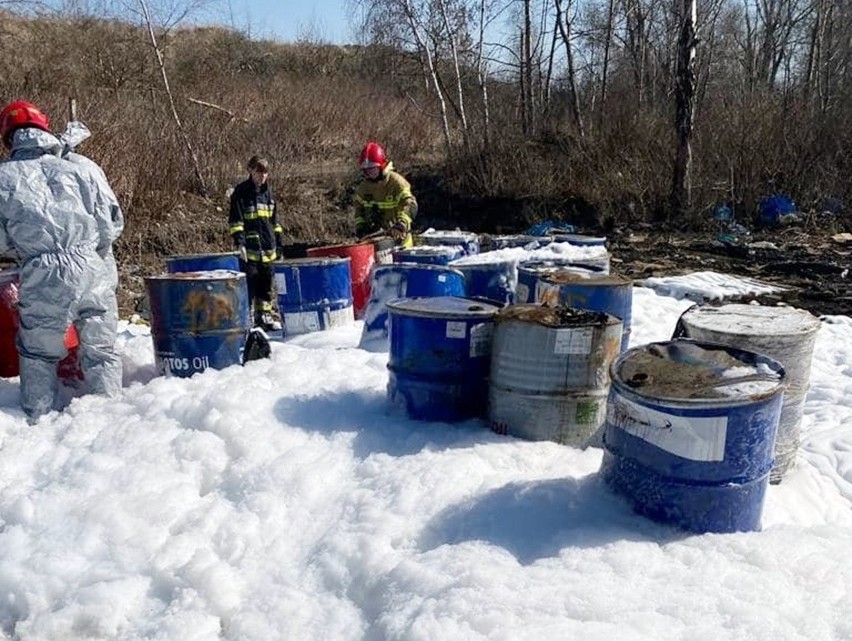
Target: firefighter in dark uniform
x=253, y=224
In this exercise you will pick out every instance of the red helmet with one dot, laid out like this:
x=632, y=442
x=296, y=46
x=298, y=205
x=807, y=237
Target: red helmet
x=20, y=114
x=373, y=155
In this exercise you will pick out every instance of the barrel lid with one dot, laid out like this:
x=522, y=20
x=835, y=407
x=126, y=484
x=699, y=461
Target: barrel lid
x=437, y=250
x=549, y=266
x=211, y=274
x=312, y=260
x=443, y=307
x=448, y=234
x=569, y=276
x=751, y=320
x=691, y=372
x=202, y=255
x=560, y=316
x=579, y=239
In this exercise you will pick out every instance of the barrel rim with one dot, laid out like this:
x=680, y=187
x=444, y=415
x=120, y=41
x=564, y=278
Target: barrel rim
x=226, y=274
x=809, y=325
x=202, y=255
x=418, y=266
x=306, y=260
x=399, y=305
x=697, y=403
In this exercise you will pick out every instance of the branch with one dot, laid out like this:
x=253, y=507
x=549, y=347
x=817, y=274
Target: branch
x=210, y=105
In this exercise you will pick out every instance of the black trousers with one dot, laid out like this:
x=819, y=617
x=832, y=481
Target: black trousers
x=259, y=282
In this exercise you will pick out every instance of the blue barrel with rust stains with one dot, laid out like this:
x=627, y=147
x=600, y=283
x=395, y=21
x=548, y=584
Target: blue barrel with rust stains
x=404, y=280
x=199, y=320
x=202, y=262
x=608, y=294
x=690, y=432
x=440, y=354
x=314, y=294
x=530, y=272
x=467, y=240
x=494, y=280
x=428, y=254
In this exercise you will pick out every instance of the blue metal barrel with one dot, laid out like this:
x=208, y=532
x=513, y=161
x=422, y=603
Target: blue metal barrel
x=468, y=241
x=492, y=280
x=609, y=294
x=440, y=352
x=530, y=272
x=314, y=294
x=198, y=320
x=405, y=280
x=579, y=239
x=202, y=262
x=428, y=254
x=689, y=433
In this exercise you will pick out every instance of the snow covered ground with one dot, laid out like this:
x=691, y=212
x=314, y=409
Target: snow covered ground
x=288, y=501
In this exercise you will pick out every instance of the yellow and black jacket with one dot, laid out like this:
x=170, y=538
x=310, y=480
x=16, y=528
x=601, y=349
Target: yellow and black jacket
x=253, y=221
x=383, y=203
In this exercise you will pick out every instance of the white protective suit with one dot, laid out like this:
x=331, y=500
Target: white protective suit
x=60, y=216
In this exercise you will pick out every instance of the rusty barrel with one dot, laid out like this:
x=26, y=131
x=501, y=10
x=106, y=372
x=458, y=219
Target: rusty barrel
x=202, y=262
x=199, y=320
x=786, y=334
x=549, y=376
x=609, y=294
x=689, y=433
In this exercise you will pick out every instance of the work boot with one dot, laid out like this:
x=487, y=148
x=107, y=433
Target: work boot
x=267, y=322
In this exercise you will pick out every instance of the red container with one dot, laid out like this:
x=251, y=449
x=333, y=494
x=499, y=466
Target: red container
x=362, y=258
x=68, y=368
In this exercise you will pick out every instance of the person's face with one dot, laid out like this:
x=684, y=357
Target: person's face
x=372, y=173
x=259, y=175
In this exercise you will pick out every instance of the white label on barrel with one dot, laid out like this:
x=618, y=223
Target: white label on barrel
x=573, y=341
x=456, y=329
x=697, y=438
x=280, y=283
x=442, y=278
x=480, y=339
x=522, y=293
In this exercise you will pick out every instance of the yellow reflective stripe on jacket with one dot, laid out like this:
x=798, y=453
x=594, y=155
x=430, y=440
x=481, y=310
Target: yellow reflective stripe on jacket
x=263, y=211
x=387, y=203
x=233, y=229
x=278, y=229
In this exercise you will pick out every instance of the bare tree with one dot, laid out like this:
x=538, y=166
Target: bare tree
x=684, y=94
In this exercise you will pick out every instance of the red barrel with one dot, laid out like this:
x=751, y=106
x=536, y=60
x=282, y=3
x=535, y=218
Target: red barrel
x=68, y=368
x=362, y=258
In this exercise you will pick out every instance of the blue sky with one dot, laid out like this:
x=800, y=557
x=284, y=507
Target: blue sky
x=326, y=20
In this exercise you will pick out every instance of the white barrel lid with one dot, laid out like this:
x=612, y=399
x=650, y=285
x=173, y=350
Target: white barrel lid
x=759, y=320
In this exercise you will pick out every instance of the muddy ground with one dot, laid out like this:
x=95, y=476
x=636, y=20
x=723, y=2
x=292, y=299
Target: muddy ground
x=810, y=259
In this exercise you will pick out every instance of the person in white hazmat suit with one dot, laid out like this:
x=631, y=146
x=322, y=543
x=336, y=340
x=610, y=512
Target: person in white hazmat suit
x=59, y=218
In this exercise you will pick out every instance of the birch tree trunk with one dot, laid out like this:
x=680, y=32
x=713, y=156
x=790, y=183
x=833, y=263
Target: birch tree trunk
x=684, y=97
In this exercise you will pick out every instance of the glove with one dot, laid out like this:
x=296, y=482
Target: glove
x=242, y=252
x=279, y=251
x=398, y=231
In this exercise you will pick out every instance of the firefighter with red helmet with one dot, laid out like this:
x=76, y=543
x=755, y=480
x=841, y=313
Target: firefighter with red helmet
x=383, y=199
x=59, y=217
